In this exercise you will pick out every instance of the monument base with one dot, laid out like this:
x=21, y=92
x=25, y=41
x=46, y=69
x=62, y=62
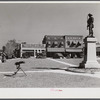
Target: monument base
x=89, y=64
x=90, y=60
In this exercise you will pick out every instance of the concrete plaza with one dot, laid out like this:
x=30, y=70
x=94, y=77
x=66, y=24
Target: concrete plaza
x=47, y=73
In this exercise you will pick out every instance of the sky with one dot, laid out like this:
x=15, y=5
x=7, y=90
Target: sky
x=30, y=22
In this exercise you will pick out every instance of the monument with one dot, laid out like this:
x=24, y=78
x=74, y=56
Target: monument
x=90, y=60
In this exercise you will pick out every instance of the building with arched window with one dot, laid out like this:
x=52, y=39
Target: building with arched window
x=74, y=45
x=54, y=44
x=67, y=44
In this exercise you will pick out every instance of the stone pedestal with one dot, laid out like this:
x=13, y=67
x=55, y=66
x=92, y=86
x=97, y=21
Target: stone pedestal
x=90, y=60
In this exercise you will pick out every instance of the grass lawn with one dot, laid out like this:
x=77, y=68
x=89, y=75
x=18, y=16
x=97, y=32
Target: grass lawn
x=37, y=79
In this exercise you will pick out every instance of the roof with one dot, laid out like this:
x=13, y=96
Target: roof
x=33, y=46
x=53, y=35
x=62, y=35
x=75, y=35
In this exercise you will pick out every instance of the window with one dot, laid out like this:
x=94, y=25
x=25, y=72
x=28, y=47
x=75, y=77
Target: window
x=61, y=38
x=61, y=44
x=48, y=44
x=68, y=42
x=55, y=42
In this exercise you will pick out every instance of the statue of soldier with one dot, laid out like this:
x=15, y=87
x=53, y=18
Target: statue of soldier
x=90, y=25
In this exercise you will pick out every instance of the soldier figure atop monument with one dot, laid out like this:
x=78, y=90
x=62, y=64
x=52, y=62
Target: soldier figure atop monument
x=90, y=24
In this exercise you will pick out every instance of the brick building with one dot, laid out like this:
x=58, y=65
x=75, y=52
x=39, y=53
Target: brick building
x=54, y=44
x=67, y=45
x=73, y=45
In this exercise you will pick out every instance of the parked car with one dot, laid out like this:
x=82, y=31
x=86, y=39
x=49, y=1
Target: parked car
x=9, y=56
x=25, y=55
x=40, y=55
x=58, y=55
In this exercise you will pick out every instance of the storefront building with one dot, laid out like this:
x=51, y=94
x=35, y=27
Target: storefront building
x=67, y=44
x=54, y=44
x=31, y=49
x=73, y=45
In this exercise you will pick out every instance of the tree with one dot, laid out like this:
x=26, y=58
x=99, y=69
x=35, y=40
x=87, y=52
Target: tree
x=3, y=49
x=3, y=54
x=10, y=48
x=17, y=51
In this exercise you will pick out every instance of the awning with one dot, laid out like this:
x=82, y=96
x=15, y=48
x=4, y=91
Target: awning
x=55, y=50
x=73, y=50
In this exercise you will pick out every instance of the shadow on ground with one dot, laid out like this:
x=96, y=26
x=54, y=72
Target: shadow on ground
x=8, y=75
x=47, y=68
x=83, y=70
x=13, y=76
x=73, y=69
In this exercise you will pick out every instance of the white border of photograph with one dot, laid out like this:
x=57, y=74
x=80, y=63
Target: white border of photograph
x=49, y=92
